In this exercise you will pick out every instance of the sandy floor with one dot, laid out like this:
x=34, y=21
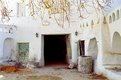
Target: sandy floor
x=49, y=73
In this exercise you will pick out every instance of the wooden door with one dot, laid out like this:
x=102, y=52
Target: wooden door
x=82, y=47
x=23, y=50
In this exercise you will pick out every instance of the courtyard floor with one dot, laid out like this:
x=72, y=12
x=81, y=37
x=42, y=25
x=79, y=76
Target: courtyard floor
x=49, y=73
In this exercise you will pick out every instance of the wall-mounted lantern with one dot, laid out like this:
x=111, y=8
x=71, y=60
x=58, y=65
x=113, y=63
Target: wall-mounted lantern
x=37, y=35
x=76, y=33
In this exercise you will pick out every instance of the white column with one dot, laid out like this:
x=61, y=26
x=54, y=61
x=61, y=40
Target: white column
x=41, y=56
x=74, y=48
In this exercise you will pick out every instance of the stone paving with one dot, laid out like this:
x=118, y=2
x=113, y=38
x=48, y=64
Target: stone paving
x=49, y=73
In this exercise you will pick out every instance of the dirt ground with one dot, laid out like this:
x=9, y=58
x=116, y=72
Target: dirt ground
x=49, y=73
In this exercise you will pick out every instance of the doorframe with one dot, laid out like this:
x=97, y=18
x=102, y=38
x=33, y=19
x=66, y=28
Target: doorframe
x=68, y=41
x=82, y=47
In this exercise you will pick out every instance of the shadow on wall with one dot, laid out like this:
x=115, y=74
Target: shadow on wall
x=8, y=48
x=93, y=48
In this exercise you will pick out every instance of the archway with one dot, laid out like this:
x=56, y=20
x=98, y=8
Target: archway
x=113, y=15
x=116, y=43
x=8, y=48
x=113, y=58
x=93, y=48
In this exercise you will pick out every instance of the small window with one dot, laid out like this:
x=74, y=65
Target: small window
x=21, y=10
x=92, y=22
x=113, y=17
x=110, y=19
x=118, y=14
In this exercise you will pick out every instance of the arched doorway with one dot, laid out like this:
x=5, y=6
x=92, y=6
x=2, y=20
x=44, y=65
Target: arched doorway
x=8, y=48
x=93, y=48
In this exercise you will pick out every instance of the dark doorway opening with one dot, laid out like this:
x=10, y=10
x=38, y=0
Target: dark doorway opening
x=82, y=47
x=55, y=50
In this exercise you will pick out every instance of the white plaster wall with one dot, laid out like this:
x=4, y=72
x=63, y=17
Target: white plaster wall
x=27, y=28
x=8, y=46
x=93, y=31
x=3, y=36
x=112, y=52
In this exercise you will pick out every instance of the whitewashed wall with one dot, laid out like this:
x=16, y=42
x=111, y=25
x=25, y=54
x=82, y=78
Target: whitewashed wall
x=101, y=30
x=4, y=34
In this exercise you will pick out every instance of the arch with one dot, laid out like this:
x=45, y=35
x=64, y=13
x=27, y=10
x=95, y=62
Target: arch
x=117, y=13
x=113, y=15
x=116, y=43
x=110, y=19
x=8, y=48
x=93, y=48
